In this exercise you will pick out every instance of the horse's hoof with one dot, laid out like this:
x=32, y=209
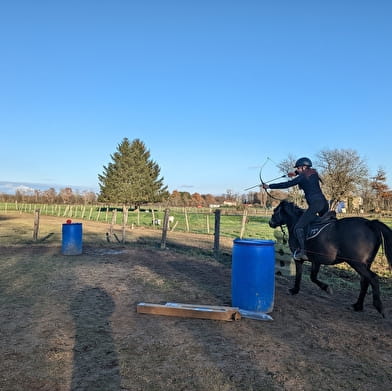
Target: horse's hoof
x=357, y=307
x=293, y=291
x=329, y=290
x=379, y=307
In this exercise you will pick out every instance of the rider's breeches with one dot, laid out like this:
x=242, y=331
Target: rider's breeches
x=317, y=206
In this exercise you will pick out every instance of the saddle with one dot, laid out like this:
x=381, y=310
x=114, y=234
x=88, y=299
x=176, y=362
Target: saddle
x=316, y=226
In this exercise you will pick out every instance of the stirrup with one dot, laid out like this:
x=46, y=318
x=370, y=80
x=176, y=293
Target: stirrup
x=300, y=255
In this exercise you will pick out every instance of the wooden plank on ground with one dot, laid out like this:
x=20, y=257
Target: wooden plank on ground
x=190, y=311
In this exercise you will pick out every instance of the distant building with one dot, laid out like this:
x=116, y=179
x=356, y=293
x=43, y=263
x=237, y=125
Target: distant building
x=229, y=203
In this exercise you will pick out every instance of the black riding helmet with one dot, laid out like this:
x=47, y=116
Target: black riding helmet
x=303, y=161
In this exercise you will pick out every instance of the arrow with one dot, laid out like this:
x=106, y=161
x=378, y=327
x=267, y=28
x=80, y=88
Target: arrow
x=271, y=180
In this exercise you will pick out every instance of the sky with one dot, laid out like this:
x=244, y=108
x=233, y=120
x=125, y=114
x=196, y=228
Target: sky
x=212, y=87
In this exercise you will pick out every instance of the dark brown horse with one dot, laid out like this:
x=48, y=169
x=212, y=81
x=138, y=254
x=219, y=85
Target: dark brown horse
x=354, y=240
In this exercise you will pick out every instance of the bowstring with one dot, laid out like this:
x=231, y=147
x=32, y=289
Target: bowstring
x=261, y=179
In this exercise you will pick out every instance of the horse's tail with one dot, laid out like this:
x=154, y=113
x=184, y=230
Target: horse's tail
x=386, y=237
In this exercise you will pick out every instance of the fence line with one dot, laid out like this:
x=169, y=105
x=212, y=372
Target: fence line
x=233, y=223
x=251, y=222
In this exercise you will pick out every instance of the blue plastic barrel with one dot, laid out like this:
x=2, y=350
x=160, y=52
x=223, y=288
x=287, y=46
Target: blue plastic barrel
x=72, y=243
x=253, y=275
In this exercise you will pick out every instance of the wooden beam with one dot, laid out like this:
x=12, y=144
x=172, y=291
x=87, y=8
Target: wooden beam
x=190, y=311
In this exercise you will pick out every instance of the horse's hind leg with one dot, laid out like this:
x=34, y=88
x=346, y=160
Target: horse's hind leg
x=313, y=276
x=368, y=277
x=358, y=306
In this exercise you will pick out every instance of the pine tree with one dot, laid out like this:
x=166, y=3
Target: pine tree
x=132, y=178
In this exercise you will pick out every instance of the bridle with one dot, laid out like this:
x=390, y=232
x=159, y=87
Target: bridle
x=281, y=226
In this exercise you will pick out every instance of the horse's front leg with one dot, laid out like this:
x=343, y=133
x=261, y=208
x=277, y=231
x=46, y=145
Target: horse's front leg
x=298, y=276
x=313, y=277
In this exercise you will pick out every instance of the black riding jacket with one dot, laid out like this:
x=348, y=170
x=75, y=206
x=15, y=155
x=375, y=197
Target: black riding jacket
x=308, y=181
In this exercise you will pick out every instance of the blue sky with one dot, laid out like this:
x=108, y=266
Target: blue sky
x=212, y=87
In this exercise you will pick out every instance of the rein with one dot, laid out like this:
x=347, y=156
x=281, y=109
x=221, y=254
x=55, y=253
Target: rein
x=284, y=233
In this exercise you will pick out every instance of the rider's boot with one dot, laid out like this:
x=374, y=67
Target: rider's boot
x=300, y=254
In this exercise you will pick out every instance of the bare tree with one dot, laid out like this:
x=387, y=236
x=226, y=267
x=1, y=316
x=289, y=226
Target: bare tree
x=88, y=197
x=49, y=195
x=380, y=188
x=343, y=172
x=67, y=195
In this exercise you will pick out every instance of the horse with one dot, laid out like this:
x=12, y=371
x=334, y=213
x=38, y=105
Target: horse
x=354, y=240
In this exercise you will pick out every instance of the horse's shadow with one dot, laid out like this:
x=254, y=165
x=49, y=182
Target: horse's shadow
x=95, y=361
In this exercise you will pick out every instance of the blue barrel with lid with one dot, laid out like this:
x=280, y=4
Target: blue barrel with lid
x=253, y=274
x=72, y=242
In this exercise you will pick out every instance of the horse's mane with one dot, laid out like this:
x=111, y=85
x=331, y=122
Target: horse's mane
x=291, y=208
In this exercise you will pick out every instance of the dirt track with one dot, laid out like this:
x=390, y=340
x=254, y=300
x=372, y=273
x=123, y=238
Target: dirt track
x=81, y=330
x=70, y=323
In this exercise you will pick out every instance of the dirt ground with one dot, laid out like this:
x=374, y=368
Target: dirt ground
x=70, y=323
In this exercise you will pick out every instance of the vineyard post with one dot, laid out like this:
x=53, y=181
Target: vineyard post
x=186, y=220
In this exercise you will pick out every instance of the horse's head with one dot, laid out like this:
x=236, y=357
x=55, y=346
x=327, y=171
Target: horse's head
x=285, y=213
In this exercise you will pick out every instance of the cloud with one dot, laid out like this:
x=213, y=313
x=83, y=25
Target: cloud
x=24, y=189
x=29, y=188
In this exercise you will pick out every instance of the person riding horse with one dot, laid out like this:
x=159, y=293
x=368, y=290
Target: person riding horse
x=308, y=180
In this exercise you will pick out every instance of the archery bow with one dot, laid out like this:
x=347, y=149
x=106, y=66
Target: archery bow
x=263, y=183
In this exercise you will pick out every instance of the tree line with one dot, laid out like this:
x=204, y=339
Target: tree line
x=70, y=197
x=50, y=196
x=132, y=178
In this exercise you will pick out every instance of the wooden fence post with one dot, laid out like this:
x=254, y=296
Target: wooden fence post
x=165, y=228
x=244, y=217
x=217, y=231
x=125, y=222
x=36, y=225
x=114, y=218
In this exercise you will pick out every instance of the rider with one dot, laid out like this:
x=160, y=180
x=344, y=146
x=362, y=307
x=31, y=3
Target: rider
x=308, y=180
